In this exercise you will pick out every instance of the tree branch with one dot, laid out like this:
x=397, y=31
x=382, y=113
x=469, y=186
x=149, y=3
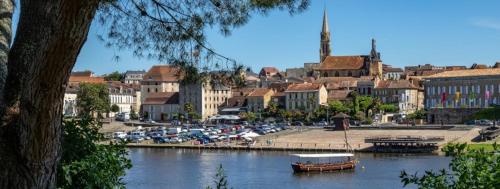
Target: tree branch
x=6, y=12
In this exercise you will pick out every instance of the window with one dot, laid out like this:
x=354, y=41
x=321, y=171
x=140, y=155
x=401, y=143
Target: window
x=156, y=90
x=325, y=74
x=148, y=90
x=336, y=74
x=349, y=73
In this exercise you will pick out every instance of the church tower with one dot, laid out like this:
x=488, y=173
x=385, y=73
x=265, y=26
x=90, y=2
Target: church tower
x=324, y=49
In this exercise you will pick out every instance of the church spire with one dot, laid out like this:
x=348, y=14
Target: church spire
x=324, y=50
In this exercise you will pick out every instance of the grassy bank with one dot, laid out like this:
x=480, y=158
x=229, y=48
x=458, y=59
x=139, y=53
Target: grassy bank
x=488, y=147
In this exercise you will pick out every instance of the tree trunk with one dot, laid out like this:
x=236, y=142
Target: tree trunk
x=6, y=11
x=49, y=37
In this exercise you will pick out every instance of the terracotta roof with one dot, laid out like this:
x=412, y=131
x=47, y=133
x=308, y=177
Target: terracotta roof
x=303, y=87
x=338, y=95
x=391, y=69
x=118, y=84
x=269, y=70
x=478, y=66
x=342, y=63
x=251, y=78
x=236, y=101
x=395, y=84
x=162, y=73
x=260, y=92
x=162, y=98
x=242, y=91
x=467, y=73
x=86, y=79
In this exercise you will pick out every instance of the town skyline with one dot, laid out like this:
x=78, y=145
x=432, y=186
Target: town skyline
x=460, y=30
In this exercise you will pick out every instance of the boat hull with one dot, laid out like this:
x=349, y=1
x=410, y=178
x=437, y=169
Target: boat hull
x=324, y=167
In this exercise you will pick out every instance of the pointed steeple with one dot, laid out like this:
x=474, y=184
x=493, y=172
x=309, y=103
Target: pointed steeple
x=324, y=49
x=325, y=28
x=374, y=54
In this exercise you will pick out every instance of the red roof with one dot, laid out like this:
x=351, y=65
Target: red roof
x=395, y=84
x=342, y=63
x=86, y=79
x=162, y=98
x=260, y=92
x=298, y=87
x=162, y=73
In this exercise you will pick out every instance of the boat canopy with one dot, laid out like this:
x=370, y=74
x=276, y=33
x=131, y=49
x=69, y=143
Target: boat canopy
x=322, y=155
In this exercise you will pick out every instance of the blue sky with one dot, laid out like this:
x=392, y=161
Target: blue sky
x=408, y=32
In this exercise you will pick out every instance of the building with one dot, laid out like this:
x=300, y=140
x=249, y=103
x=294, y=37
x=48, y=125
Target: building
x=125, y=96
x=452, y=96
x=391, y=73
x=305, y=96
x=206, y=97
x=160, y=78
x=70, y=94
x=345, y=66
x=134, y=77
x=268, y=72
x=259, y=99
x=402, y=93
x=161, y=106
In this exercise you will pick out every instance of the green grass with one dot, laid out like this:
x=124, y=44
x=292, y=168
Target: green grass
x=487, y=147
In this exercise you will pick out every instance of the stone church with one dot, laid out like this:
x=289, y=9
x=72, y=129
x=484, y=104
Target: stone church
x=345, y=66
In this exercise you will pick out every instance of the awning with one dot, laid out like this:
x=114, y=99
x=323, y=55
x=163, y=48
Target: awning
x=322, y=155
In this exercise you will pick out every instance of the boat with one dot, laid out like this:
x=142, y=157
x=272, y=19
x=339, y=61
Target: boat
x=347, y=162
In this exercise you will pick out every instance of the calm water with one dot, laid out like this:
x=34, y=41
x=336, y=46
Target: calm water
x=185, y=168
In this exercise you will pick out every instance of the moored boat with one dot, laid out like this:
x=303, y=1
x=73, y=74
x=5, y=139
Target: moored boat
x=319, y=165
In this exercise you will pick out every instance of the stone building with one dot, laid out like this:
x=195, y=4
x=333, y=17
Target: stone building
x=305, y=96
x=134, y=77
x=259, y=99
x=460, y=92
x=268, y=72
x=206, y=97
x=402, y=93
x=391, y=73
x=160, y=78
x=70, y=94
x=161, y=106
x=125, y=96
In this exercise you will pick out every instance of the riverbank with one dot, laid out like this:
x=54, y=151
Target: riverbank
x=318, y=140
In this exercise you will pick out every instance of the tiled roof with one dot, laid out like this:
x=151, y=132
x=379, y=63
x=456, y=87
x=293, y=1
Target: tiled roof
x=86, y=79
x=135, y=72
x=118, y=84
x=162, y=73
x=279, y=94
x=338, y=95
x=242, y=91
x=162, y=98
x=478, y=66
x=269, y=70
x=396, y=84
x=391, y=69
x=342, y=63
x=467, y=73
x=236, y=101
x=260, y=92
x=303, y=87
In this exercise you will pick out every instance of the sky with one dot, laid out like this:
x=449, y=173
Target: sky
x=408, y=32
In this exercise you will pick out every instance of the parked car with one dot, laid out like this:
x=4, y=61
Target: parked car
x=297, y=123
x=119, y=135
x=322, y=123
x=159, y=140
x=485, y=122
x=470, y=122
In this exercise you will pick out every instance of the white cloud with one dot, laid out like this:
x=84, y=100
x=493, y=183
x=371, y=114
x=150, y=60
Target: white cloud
x=486, y=23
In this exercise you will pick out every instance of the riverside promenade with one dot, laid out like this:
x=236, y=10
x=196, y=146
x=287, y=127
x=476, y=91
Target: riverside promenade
x=321, y=140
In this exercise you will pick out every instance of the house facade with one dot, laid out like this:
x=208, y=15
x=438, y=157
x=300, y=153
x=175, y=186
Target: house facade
x=305, y=96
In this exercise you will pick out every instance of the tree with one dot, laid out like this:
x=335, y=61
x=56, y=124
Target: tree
x=491, y=113
x=49, y=37
x=93, y=98
x=87, y=164
x=133, y=115
x=114, y=76
x=469, y=168
x=249, y=116
x=188, y=107
x=114, y=108
x=220, y=179
x=388, y=108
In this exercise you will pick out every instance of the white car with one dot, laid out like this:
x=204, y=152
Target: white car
x=119, y=135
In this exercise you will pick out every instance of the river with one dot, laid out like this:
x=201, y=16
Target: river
x=188, y=168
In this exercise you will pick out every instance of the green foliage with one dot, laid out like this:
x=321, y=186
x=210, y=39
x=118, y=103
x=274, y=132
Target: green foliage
x=469, y=168
x=86, y=164
x=419, y=114
x=133, y=115
x=114, y=76
x=389, y=108
x=220, y=179
x=92, y=98
x=115, y=108
x=337, y=107
x=188, y=107
x=365, y=103
x=249, y=116
x=194, y=116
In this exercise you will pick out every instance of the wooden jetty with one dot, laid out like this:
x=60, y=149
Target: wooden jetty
x=402, y=144
x=489, y=133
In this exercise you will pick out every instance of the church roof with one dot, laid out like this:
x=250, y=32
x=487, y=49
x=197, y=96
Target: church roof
x=325, y=28
x=342, y=63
